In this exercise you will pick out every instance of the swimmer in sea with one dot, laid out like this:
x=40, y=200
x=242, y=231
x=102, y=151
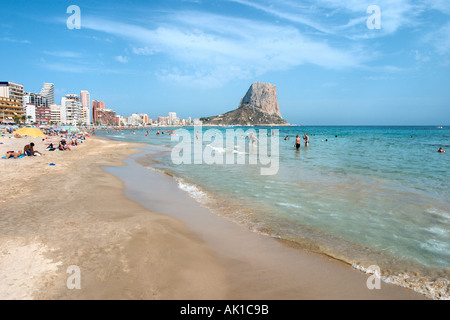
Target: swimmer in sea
x=441, y=150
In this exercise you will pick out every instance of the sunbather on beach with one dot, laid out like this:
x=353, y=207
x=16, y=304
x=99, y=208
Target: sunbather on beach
x=12, y=154
x=51, y=147
x=29, y=150
x=63, y=145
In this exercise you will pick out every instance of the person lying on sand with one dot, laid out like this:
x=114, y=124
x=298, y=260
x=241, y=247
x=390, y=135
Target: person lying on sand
x=29, y=150
x=12, y=154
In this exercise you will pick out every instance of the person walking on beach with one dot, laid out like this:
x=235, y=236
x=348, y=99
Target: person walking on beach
x=297, y=142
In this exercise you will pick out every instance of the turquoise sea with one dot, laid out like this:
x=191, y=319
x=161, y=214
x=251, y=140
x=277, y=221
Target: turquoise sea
x=363, y=195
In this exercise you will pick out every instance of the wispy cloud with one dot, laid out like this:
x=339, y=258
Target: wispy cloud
x=297, y=17
x=346, y=19
x=215, y=49
x=15, y=40
x=439, y=40
x=79, y=68
x=63, y=54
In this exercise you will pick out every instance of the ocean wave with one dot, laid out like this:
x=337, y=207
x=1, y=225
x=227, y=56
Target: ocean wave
x=440, y=213
x=289, y=205
x=192, y=190
x=436, y=289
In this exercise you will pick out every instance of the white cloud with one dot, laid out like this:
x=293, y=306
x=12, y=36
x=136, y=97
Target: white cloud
x=145, y=51
x=121, y=59
x=344, y=18
x=215, y=49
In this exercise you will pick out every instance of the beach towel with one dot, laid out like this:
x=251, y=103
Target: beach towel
x=20, y=157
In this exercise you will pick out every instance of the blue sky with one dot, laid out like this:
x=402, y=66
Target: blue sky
x=198, y=58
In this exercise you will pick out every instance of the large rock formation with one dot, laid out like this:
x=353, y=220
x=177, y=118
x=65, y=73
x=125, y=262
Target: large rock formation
x=262, y=96
x=258, y=107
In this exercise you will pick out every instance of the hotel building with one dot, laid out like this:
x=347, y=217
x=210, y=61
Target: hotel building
x=11, y=101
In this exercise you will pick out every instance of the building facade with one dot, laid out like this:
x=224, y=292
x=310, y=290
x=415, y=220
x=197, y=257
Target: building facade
x=48, y=91
x=72, y=110
x=10, y=109
x=11, y=102
x=42, y=113
x=106, y=117
x=86, y=103
x=12, y=90
x=55, y=112
x=96, y=107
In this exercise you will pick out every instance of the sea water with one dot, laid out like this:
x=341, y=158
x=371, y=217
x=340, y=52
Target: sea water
x=364, y=195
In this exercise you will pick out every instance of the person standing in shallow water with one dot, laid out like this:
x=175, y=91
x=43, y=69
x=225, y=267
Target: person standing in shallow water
x=297, y=142
x=306, y=138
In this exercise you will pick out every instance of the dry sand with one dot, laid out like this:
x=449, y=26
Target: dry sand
x=76, y=214
x=53, y=217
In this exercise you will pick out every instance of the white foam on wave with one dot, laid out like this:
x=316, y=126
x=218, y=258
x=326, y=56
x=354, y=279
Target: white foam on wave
x=216, y=149
x=289, y=205
x=438, y=212
x=437, y=289
x=192, y=190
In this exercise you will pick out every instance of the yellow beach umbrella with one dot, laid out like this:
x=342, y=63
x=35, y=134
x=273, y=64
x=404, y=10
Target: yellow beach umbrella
x=30, y=132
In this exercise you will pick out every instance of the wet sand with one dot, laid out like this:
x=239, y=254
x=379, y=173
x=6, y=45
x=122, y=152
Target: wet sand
x=141, y=237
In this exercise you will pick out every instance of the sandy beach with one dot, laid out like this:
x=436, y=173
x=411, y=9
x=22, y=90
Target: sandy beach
x=77, y=214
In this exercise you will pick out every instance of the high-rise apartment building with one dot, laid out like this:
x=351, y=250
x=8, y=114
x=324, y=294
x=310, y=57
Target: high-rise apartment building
x=97, y=106
x=41, y=109
x=48, y=91
x=72, y=110
x=85, y=98
x=172, y=117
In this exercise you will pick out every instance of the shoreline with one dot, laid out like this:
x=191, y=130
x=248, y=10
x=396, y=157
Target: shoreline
x=218, y=233
x=78, y=213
